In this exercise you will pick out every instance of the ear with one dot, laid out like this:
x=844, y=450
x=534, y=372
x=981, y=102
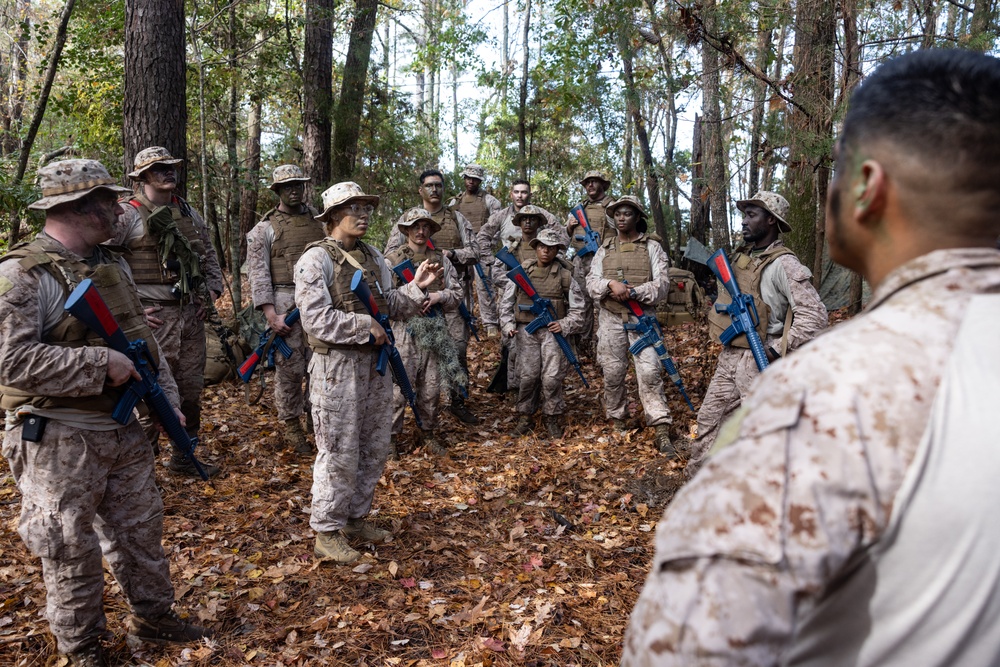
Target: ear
x=870, y=193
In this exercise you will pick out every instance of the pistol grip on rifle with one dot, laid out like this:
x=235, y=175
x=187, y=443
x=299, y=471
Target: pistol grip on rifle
x=383, y=360
x=283, y=347
x=134, y=392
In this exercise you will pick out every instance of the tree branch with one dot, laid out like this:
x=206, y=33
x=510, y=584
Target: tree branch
x=960, y=5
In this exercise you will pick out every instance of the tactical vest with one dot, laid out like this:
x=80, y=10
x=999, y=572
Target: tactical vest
x=597, y=216
x=292, y=233
x=626, y=263
x=523, y=251
x=144, y=260
x=406, y=252
x=340, y=289
x=121, y=299
x=748, y=271
x=684, y=299
x=551, y=282
x=449, y=237
x=474, y=208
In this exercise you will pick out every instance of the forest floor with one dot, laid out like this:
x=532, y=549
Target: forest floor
x=506, y=551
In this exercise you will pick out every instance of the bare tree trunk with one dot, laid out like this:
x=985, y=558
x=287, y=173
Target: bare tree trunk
x=232, y=137
x=699, y=209
x=981, y=29
x=317, y=85
x=454, y=113
x=202, y=133
x=350, y=108
x=627, y=169
x=248, y=203
x=715, y=164
x=930, y=24
x=523, y=97
x=19, y=73
x=764, y=37
x=155, y=100
x=36, y=119
x=810, y=128
x=649, y=165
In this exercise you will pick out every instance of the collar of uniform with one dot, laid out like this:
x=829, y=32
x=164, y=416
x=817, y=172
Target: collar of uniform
x=932, y=264
x=753, y=252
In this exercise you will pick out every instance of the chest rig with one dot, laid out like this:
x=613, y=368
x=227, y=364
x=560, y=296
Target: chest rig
x=292, y=233
x=406, y=252
x=552, y=282
x=748, y=270
x=626, y=263
x=474, y=208
x=148, y=268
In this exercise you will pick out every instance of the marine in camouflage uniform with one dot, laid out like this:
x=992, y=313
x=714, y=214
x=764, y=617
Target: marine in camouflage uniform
x=630, y=264
x=415, y=336
x=477, y=206
x=847, y=514
x=274, y=245
x=87, y=483
x=177, y=318
x=595, y=183
x=456, y=241
x=789, y=308
x=541, y=364
x=351, y=402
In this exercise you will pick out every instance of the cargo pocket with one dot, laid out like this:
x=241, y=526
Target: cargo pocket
x=42, y=530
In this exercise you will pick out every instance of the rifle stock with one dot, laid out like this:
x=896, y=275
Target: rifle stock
x=86, y=304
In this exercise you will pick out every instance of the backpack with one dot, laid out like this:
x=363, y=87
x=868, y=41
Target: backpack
x=684, y=301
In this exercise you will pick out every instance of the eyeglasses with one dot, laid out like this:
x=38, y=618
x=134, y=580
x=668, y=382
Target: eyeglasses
x=360, y=209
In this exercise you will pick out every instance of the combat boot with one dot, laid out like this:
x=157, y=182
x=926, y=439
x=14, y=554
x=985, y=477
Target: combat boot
x=168, y=628
x=458, y=409
x=525, y=425
x=91, y=655
x=619, y=425
x=663, y=444
x=182, y=465
x=295, y=437
x=553, y=427
x=333, y=547
x=359, y=529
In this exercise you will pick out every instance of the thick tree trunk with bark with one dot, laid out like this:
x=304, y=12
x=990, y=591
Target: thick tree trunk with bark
x=248, y=198
x=810, y=123
x=317, y=84
x=699, y=208
x=350, y=108
x=714, y=157
x=18, y=72
x=154, y=107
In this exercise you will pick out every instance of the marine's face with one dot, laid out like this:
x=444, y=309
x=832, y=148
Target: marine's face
x=530, y=224
x=626, y=219
x=103, y=212
x=472, y=184
x=419, y=232
x=291, y=194
x=594, y=188
x=432, y=190
x=354, y=224
x=162, y=177
x=757, y=223
x=545, y=253
x=520, y=194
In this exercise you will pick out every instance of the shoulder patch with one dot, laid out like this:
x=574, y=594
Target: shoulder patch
x=5, y=285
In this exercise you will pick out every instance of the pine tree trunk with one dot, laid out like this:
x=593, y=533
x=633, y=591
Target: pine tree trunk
x=317, y=89
x=154, y=107
x=350, y=108
x=699, y=209
x=714, y=156
x=248, y=197
x=522, y=162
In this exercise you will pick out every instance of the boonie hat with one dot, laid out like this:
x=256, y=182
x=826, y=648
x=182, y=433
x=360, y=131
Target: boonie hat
x=474, y=171
x=771, y=202
x=549, y=237
x=285, y=174
x=147, y=157
x=599, y=175
x=415, y=215
x=528, y=209
x=68, y=180
x=342, y=193
x=636, y=204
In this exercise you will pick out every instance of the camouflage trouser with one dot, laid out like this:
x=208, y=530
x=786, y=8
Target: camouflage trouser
x=612, y=353
x=352, y=413
x=289, y=395
x=541, y=367
x=422, y=370
x=513, y=381
x=460, y=334
x=487, y=305
x=181, y=338
x=734, y=374
x=581, y=267
x=85, y=494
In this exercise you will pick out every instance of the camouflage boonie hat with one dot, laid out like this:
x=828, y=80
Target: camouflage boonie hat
x=549, y=237
x=342, y=193
x=415, y=215
x=147, y=157
x=473, y=171
x=68, y=180
x=526, y=210
x=599, y=175
x=285, y=174
x=636, y=204
x=771, y=202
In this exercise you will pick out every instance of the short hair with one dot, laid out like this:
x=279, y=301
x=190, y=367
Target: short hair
x=520, y=181
x=430, y=172
x=941, y=106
